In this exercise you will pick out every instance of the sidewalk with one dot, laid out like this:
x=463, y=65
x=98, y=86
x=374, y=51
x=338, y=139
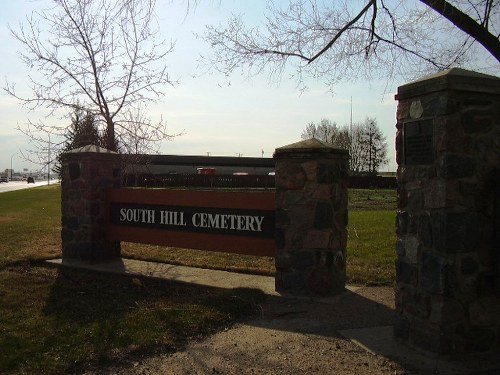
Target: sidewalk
x=362, y=315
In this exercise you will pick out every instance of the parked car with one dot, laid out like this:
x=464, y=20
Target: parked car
x=3, y=179
x=31, y=180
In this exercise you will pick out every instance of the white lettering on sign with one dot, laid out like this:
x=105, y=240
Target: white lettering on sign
x=197, y=220
x=137, y=215
x=172, y=218
x=234, y=222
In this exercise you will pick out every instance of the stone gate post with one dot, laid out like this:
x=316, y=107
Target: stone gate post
x=86, y=174
x=311, y=218
x=447, y=270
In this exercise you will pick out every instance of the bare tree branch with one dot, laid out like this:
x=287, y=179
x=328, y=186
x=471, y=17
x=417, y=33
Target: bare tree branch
x=341, y=41
x=101, y=56
x=345, y=28
x=478, y=31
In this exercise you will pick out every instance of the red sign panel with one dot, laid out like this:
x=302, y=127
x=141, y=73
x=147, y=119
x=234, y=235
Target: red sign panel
x=236, y=222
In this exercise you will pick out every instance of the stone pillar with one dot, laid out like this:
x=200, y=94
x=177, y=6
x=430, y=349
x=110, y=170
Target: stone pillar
x=311, y=218
x=447, y=145
x=86, y=174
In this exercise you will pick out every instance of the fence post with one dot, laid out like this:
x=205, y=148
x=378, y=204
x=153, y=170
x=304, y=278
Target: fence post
x=85, y=175
x=311, y=218
x=448, y=218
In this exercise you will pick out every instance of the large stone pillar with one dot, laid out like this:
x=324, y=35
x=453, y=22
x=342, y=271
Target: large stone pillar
x=311, y=218
x=448, y=143
x=86, y=174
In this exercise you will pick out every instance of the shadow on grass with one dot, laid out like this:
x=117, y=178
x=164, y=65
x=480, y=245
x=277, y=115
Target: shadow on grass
x=65, y=321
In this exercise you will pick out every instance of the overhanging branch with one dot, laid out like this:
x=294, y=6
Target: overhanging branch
x=467, y=25
x=345, y=28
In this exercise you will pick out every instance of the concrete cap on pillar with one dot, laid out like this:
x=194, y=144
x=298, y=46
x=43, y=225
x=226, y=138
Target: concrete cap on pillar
x=310, y=147
x=451, y=79
x=91, y=149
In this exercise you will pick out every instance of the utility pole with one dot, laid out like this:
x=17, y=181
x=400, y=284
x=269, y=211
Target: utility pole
x=350, y=124
x=11, y=168
x=48, y=163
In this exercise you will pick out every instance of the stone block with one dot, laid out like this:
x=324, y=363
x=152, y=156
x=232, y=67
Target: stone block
x=324, y=282
x=412, y=249
x=485, y=311
x=310, y=168
x=290, y=176
x=447, y=312
x=480, y=340
x=400, y=247
x=317, y=239
x=414, y=200
x=457, y=166
x=279, y=238
x=70, y=222
x=402, y=220
x=463, y=231
x=74, y=171
x=429, y=337
x=67, y=235
x=416, y=303
x=338, y=240
x=328, y=173
x=399, y=147
x=434, y=274
x=405, y=272
x=424, y=229
x=291, y=282
x=96, y=208
x=74, y=196
x=302, y=260
x=435, y=194
x=478, y=120
x=468, y=265
x=323, y=216
x=322, y=192
x=283, y=262
x=302, y=215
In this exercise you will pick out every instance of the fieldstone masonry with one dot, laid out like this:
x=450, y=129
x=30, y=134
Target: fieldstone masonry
x=448, y=256
x=311, y=218
x=86, y=174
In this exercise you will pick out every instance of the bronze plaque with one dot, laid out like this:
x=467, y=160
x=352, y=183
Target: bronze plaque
x=418, y=141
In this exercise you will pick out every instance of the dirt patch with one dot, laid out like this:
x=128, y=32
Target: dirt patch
x=292, y=336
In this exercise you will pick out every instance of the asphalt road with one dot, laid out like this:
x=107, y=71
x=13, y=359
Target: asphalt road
x=18, y=185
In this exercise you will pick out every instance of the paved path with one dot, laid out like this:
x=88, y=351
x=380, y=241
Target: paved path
x=347, y=334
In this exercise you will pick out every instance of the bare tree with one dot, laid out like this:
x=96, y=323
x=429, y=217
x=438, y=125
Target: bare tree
x=367, y=148
x=347, y=39
x=99, y=56
x=373, y=146
x=366, y=144
x=327, y=131
x=356, y=149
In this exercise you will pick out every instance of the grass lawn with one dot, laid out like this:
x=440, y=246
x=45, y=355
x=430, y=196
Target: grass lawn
x=30, y=224
x=372, y=237
x=58, y=321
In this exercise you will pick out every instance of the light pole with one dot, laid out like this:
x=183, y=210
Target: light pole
x=48, y=163
x=11, y=170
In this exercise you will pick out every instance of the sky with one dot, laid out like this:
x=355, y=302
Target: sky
x=244, y=117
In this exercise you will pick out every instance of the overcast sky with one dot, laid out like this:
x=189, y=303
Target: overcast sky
x=241, y=117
